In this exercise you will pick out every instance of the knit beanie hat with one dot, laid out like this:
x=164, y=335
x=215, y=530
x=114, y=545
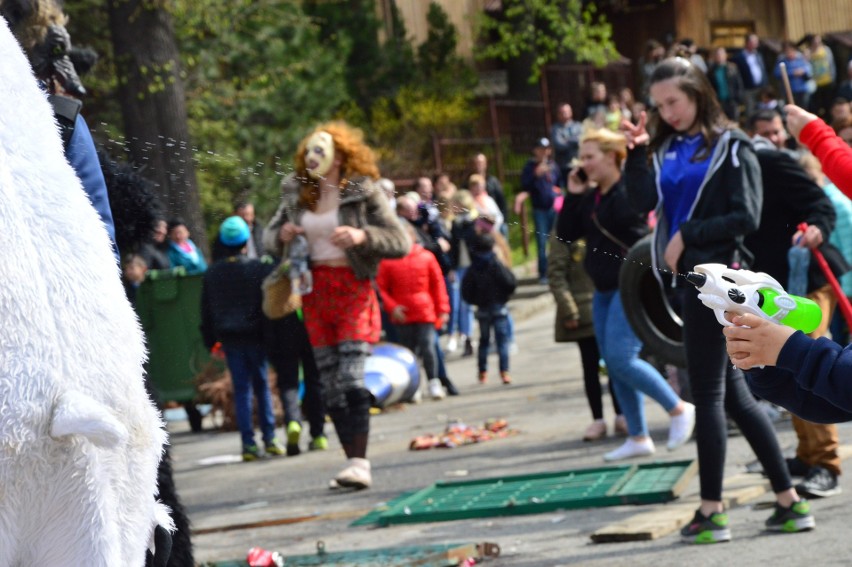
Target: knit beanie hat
x=234, y=231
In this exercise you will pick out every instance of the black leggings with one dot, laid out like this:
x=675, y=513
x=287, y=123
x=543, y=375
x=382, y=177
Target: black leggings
x=591, y=358
x=288, y=346
x=346, y=398
x=716, y=387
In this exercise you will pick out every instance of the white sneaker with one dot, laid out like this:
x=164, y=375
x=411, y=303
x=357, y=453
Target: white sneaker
x=681, y=427
x=356, y=474
x=436, y=390
x=630, y=449
x=452, y=344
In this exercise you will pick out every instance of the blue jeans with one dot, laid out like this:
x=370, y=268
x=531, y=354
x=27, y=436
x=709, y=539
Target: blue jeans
x=619, y=347
x=498, y=318
x=454, y=293
x=247, y=364
x=465, y=313
x=543, y=220
x=439, y=356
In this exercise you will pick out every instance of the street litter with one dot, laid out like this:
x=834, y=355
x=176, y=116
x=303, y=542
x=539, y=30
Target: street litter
x=458, y=433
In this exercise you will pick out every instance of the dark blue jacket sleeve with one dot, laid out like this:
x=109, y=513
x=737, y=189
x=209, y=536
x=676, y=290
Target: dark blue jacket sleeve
x=812, y=379
x=83, y=157
x=528, y=177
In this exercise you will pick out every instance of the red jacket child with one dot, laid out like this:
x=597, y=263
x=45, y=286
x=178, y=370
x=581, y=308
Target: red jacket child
x=832, y=152
x=416, y=284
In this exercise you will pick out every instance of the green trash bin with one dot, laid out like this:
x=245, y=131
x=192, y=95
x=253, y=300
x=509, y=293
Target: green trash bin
x=169, y=308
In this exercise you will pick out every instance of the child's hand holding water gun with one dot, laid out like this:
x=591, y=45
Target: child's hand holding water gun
x=753, y=341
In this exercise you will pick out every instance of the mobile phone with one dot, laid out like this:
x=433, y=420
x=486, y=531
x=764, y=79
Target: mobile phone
x=581, y=175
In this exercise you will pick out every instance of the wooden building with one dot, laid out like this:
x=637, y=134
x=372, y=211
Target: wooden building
x=462, y=13
x=522, y=112
x=712, y=23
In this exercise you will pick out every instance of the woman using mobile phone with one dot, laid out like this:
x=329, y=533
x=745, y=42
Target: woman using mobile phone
x=600, y=211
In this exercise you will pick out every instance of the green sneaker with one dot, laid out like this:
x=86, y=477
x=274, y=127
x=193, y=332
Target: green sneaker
x=250, y=453
x=318, y=443
x=706, y=530
x=274, y=448
x=796, y=518
x=294, y=432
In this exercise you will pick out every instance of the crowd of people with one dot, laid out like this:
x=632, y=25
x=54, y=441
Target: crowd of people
x=704, y=161
x=411, y=267
x=402, y=267
x=743, y=79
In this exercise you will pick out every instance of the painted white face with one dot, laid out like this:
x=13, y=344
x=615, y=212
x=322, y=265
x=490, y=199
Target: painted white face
x=319, y=154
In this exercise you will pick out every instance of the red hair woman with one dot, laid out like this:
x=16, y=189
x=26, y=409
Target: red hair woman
x=334, y=202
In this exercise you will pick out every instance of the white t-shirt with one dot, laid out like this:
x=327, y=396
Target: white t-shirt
x=318, y=231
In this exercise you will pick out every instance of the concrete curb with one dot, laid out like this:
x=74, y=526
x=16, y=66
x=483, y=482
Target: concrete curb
x=523, y=309
x=739, y=489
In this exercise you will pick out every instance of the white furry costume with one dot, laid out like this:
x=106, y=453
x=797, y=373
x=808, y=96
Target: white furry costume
x=79, y=437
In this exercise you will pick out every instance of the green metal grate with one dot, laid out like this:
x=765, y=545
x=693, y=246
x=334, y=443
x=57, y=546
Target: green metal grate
x=536, y=493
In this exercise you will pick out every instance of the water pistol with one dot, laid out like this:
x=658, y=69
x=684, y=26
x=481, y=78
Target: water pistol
x=742, y=291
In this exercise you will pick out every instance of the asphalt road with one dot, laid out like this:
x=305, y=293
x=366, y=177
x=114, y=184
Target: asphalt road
x=547, y=405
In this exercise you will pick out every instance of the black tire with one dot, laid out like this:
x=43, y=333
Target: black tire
x=648, y=307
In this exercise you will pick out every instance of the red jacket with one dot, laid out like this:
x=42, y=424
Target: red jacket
x=416, y=283
x=831, y=151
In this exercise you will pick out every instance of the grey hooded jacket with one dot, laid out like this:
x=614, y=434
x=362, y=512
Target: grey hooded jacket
x=726, y=209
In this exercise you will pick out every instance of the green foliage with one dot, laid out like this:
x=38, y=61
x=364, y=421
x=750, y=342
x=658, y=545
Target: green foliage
x=435, y=101
x=88, y=26
x=439, y=49
x=257, y=77
x=373, y=70
x=401, y=128
x=260, y=73
x=547, y=29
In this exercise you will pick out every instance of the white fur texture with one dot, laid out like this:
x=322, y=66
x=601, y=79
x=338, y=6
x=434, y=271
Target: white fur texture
x=71, y=354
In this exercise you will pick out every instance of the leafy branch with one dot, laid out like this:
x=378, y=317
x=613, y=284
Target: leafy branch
x=547, y=29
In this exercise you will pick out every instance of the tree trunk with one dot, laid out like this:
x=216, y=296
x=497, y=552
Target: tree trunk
x=153, y=106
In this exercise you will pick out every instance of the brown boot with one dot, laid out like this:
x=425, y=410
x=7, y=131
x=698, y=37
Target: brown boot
x=504, y=376
x=483, y=377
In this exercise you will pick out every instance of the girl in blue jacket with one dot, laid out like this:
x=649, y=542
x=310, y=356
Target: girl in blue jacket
x=707, y=189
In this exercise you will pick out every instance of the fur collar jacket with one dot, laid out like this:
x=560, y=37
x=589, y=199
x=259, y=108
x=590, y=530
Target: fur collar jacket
x=362, y=205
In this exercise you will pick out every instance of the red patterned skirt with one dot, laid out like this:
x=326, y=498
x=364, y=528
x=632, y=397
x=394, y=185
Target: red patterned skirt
x=341, y=308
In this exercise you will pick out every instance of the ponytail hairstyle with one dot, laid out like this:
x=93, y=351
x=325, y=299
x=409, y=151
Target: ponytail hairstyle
x=709, y=115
